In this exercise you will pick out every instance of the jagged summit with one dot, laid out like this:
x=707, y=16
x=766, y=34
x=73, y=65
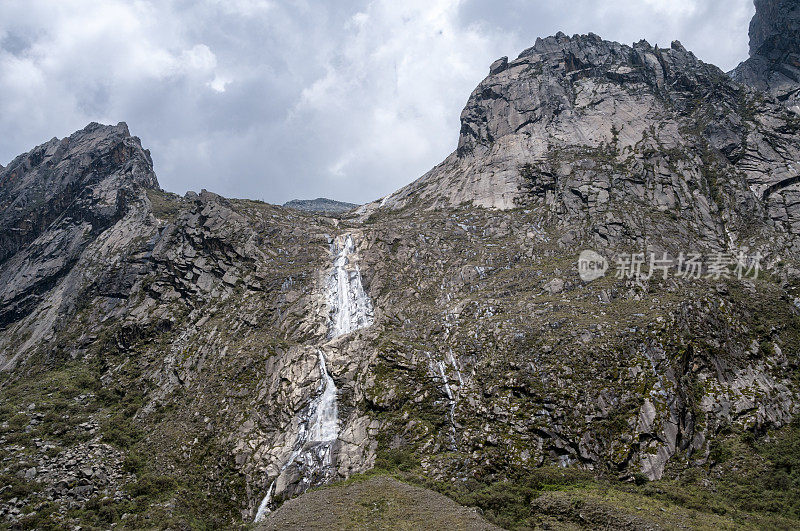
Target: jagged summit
x=540, y=88
x=96, y=151
x=774, y=63
x=58, y=203
x=89, y=171
x=601, y=137
x=563, y=91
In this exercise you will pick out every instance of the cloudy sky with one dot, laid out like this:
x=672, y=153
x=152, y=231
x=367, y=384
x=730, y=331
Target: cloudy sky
x=278, y=99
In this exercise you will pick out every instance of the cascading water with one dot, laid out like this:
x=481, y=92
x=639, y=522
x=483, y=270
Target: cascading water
x=350, y=306
x=350, y=310
x=316, y=435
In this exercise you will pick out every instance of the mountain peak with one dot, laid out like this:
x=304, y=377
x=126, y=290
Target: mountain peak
x=580, y=128
x=774, y=63
x=92, y=169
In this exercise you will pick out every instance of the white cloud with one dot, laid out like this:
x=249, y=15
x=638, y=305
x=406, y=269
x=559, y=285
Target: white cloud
x=393, y=92
x=219, y=83
x=199, y=58
x=681, y=8
x=283, y=98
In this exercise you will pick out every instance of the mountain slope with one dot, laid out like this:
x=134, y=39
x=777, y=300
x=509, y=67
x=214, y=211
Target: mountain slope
x=182, y=361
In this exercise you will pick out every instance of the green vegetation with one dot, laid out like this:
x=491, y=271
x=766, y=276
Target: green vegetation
x=165, y=205
x=750, y=485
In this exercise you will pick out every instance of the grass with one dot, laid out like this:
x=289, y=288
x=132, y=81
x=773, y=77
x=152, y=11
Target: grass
x=164, y=204
x=752, y=484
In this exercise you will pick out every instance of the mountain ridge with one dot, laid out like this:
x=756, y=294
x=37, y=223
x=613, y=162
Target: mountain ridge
x=170, y=360
x=320, y=204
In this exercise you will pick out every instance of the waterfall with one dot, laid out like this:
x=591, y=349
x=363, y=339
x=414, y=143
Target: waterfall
x=350, y=307
x=316, y=435
x=350, y=310
x=325, y=422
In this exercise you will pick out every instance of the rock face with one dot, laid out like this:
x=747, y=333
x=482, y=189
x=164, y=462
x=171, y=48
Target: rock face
x=592, y=130
x=321, y=205
x=774, y=63
x=66, y=208
x=315, y=452
x=587, y=127
x=39, y=186
x=196, y=358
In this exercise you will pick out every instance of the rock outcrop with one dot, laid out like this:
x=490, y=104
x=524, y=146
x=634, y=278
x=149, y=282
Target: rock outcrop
x=596, y=133
x=166, y=360
x=62, y=176
x=774, y=63
x=68, y=209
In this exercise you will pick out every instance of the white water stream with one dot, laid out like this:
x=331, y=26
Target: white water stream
x=350, y=310
x=350, y=306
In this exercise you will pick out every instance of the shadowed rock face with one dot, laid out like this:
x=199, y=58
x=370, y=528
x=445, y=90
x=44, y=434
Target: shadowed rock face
x=775, y=28
x=774, y=63
x=55, y=201
x=61, y=177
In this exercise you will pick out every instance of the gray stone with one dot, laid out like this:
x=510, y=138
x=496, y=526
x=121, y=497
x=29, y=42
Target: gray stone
x=774, y=63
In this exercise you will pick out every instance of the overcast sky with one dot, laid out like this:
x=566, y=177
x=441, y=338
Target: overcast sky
x=283, y=99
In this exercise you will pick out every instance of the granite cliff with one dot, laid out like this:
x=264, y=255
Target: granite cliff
x=774, y=63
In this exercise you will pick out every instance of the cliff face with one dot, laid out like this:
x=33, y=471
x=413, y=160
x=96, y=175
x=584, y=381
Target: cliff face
x=66, y=208
x=592, y=134
x=774, y=63
x=167, y=359
x=39, y=186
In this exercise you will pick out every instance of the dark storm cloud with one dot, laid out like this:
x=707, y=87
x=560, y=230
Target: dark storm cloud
x=283, y=99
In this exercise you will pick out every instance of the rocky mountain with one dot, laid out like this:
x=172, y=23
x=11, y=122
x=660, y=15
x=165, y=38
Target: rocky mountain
x=57, y=206
x=321, y=205
x=195, y=361
x=594, y=133
x=774, y=63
